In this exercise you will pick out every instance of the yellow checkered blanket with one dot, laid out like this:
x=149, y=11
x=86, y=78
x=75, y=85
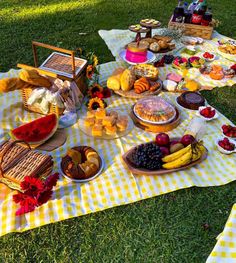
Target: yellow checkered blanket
x=116, y=185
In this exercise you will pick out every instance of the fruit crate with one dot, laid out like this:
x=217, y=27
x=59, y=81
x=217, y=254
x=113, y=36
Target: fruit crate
x=61, y=64
x=193, y=30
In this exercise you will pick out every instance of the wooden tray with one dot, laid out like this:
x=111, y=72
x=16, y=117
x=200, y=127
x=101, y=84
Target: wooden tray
x=156, y=128
x=132, y=95
x=141, y=171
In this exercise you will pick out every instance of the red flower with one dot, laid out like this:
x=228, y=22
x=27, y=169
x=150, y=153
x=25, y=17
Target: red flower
x=43, y=197
x=51, y=181
x=32, y=185
x=27, y=203
x=24, y=209
x=99, y=95
x=233, y=67
x=106, y=93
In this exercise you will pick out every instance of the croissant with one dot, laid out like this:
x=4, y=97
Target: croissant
x=141, y=85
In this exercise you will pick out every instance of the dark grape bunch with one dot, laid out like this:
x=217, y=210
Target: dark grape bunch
x=147, y=156
x=168, y=59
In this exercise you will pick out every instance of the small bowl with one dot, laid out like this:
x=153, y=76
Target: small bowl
x=207, y=119
x=232, y=138
x=222, y=150
x=209, y=59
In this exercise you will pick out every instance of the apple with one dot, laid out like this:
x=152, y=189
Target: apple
x=176, y=147
x=165, y=150
x=187, y=139
x=162, y=139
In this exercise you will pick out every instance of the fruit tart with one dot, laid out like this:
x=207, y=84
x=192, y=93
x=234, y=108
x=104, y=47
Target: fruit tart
x=81, y=162
x=196, y=61
x=180, y=63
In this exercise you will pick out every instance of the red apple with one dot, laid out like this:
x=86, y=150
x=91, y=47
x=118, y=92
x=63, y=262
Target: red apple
x=165, y=150
x=187, y=139
x=162, y=139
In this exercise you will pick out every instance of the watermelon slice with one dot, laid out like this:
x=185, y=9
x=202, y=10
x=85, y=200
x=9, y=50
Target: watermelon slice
x=37, y=131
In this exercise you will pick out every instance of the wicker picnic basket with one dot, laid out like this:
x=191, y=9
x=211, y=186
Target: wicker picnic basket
x=60, y=64
x=193, y=30
x=17, y=161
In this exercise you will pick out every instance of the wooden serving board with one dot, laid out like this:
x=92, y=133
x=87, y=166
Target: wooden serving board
x=155, y=127
x=141, y=171
x=132, y=95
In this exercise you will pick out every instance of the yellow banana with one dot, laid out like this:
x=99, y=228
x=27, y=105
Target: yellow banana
x=176, y=155
x=197, y=153
x=183, y=160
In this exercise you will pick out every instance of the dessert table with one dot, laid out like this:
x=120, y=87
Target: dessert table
x=116, y=185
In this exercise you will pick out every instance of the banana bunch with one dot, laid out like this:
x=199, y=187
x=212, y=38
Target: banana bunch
x=184, y=156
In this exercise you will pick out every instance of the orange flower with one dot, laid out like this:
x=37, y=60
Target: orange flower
x=89, y=71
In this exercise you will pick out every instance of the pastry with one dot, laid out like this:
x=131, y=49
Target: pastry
x=155, y=47
x=149, y=40
x=100, y=113
x=191, y=100
x=141, y=85
x=154, y=109
x=97, y=130
x=155, y=86
x=165, y=38
x=144, y=42
x=108, y=121
x=86, y=165
x=89, y=121
x=110, y=130
x=136, y=53
x=114, y=114
x=171, y=46
x=122, y=124
x=205, y=70
x=127, y=80
x=163, y=44
x=32, y=77
x=216, y=75
x=146, y=70
x=113, y=82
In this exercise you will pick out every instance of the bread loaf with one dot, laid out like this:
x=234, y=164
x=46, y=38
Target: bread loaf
x=127, y=80
x=113, y=82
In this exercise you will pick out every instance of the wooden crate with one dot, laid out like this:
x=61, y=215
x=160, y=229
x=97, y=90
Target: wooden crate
x=193, y=30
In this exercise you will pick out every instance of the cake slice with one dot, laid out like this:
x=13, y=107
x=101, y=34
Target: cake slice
x=114, y=114
x=97, y=130
x=108, y=121
x=110, y=130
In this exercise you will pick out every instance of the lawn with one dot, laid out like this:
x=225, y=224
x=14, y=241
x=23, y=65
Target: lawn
x=178, y=227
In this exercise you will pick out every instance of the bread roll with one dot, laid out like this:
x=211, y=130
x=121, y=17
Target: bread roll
x=11, y=84
x=127, y=80
x=32, y=77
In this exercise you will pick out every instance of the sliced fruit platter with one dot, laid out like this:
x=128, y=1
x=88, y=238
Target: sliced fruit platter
x=184, y=63
x=165, y=155
x=227, y=49
x=217, y=72
x=136, y=82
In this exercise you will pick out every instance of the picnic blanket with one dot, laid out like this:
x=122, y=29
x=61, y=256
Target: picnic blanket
x=116, y=185
x=116, y=40
x=225, y=248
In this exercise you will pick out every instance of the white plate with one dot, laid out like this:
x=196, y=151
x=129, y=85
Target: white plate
x=184, y=107
x=207, y=119
x=86, y=180
x=208, y=59
x=150, y=57
x=222, y=150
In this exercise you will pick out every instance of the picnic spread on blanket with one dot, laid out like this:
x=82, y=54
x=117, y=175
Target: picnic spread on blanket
x=78, y=137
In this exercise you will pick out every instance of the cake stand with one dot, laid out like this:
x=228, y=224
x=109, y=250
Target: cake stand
x=149, y=26
x=139, y=31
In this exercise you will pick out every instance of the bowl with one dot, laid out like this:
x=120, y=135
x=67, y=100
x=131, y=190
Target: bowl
x=207, y=119
x=222, y=150
x=208, y=59
x=232, y=138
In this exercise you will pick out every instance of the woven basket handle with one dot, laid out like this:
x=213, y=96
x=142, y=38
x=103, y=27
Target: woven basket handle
x=66, y=51
x=11, y=144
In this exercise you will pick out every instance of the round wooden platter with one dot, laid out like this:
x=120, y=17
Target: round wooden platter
x=141, y=30
x=156, y=128
x=132, y=95
x=150, y=25
x=140, y=171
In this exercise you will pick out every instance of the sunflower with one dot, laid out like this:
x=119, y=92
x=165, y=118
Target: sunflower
x=89, y=71
x=94, y=89
x=96, y=103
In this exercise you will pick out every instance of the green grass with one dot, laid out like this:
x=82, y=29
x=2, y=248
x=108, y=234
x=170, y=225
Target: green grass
x=164, y=229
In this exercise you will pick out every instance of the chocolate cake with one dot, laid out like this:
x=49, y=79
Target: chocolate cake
x=191, y=100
